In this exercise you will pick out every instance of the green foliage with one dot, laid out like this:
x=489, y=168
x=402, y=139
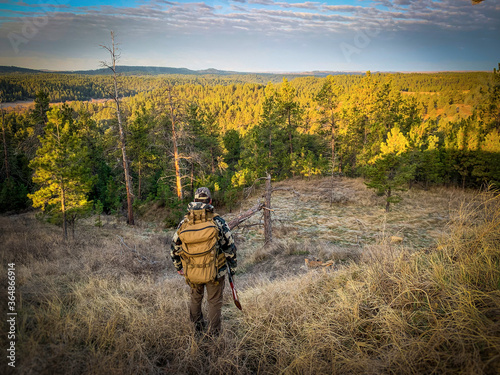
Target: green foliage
x=205, y=146
x=41, y=108
x=114, y=196
x=61, y=168
x=98, y=209
x=13, y=195
x=391, y=171
x=140, y=150
x=306, y=164
x=232, y=130
x=232, y=144
x=176, y=210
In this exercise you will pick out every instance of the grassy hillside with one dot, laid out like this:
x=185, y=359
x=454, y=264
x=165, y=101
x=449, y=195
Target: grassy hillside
x=428, y=305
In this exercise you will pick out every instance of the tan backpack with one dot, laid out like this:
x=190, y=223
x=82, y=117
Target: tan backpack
x=199, y=235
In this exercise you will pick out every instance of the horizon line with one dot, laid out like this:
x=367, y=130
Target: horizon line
x=298, y=72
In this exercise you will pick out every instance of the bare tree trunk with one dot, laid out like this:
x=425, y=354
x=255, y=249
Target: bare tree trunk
x=126, y=169
x=122, y=143
x=268, y=229
x=5, y=154
x=178, y=180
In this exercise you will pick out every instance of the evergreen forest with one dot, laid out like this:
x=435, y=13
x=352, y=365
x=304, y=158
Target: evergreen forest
x=65, y=153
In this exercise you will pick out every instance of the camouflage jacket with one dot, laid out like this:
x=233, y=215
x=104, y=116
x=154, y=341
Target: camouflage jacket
x=225, y=242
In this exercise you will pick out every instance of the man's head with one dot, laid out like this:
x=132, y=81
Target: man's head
x=203, y=195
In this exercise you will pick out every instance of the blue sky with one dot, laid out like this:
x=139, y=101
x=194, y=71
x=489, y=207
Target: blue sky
x=254, y=35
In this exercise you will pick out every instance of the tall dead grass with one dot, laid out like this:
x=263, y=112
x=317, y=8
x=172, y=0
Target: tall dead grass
x=90, y=307
x=436, y=311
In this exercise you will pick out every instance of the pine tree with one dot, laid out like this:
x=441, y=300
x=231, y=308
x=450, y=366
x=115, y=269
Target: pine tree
x=266, y=146
x=140, y=148
x=391, y=170
x=289, y=110
x=232, y=144
x=61, y=170
x=328, y=102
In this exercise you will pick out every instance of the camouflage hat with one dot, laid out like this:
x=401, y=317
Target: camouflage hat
x=202, y=193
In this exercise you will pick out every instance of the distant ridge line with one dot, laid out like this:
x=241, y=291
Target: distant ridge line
x=156, y=70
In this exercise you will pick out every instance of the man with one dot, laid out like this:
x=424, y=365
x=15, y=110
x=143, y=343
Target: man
x=201, y=246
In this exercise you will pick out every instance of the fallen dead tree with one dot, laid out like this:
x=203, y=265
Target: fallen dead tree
x=245, y=215
x=266, y=206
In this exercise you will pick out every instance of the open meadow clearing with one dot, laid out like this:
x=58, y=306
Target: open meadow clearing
x=429, y=304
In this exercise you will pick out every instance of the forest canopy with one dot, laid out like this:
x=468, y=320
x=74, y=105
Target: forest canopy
x=396, y=130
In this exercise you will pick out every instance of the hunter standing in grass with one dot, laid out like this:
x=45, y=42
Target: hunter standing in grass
x=201, y=246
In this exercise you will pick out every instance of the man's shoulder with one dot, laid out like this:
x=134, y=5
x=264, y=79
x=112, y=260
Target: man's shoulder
x=221, y=223
x=180, y=224
x=219, y=219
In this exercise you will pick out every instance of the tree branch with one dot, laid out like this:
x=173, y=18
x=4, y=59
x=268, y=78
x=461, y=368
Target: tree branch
x=245, y=215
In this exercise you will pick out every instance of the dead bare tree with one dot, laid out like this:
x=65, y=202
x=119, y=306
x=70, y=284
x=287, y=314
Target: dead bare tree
x=266, y=206
x=114, y=55
x=245, y=215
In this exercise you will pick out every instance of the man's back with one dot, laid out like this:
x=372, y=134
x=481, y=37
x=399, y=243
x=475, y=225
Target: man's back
x=201, y=246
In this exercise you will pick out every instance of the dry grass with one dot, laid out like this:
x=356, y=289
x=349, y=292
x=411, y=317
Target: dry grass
x=397, y=312
x=356, y=216
x=92, y=307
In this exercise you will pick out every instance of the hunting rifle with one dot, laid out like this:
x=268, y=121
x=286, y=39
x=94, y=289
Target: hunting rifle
x=233, y=224
x=233, y=288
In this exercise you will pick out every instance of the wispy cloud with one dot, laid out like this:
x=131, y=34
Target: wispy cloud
x=161, y=24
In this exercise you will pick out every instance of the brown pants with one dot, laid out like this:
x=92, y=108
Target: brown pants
x=214, y=299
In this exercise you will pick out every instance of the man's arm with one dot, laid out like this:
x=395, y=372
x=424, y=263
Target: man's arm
x=175, y=247
x=226, y=242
